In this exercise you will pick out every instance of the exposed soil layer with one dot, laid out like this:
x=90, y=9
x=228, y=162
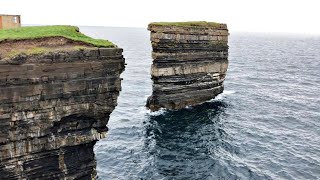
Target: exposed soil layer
x=13, y=47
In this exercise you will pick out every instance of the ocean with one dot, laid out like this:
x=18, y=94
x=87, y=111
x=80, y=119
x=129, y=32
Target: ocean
x=266, y=124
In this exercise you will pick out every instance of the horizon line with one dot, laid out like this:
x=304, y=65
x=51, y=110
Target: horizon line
x=233, y=31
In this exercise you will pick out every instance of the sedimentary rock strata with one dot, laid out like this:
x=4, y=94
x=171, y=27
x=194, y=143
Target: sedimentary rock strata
x=189, y=63
x=53, y=108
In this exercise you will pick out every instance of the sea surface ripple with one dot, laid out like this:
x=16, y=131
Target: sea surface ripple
x=266, y=125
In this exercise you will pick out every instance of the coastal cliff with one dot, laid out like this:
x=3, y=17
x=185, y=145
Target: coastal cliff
x=54, y=106
x=190, y=61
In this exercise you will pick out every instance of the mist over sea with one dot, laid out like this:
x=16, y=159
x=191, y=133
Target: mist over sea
x=266, y=124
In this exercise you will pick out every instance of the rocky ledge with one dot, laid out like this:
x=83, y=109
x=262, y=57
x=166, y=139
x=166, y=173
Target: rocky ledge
x=190, y=61
x=53, y=108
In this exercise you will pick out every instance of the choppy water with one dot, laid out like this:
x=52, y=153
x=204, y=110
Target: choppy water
x=266, y=125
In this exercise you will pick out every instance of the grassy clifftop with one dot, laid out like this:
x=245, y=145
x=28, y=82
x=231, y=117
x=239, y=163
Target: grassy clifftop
x=35, y=32
x=186, y=24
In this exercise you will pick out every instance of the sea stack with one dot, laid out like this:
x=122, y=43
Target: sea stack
x=55, y=100
x=190, y=61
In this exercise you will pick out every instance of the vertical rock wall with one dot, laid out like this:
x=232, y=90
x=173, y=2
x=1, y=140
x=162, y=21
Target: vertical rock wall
x=189, y=64
x=53, y=108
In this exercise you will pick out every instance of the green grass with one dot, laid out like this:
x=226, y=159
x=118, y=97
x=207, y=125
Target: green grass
x=32, y=51
x=80, y=48
x=188, y=23
x=35, y=32
x=35, y=51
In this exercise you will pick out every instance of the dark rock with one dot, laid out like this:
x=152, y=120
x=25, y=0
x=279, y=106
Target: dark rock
x=189, y=65
x=53, y=109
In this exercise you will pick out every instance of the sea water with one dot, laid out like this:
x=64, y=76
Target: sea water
x=266, y=124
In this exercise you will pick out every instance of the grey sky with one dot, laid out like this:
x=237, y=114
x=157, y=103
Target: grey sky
x=295, y=16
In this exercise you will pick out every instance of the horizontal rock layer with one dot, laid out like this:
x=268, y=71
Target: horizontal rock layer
x=53, y=108
x=189, y=64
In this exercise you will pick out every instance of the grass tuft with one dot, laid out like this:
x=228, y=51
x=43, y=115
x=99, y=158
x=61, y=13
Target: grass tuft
x=187, y=24
x=12, y=54
x=80, y=48
x=35, y=51
x=32, y=51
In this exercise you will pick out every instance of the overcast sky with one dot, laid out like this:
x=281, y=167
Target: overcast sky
x=295, y=16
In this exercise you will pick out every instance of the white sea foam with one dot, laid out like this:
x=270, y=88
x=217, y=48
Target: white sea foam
x=157, y=113
x=222, y=95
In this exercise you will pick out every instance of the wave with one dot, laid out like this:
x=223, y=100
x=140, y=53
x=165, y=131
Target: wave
x=162, y=111
x=222, y=95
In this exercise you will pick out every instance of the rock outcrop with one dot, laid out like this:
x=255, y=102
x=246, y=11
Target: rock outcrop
x=190, y=61
x=53, y=109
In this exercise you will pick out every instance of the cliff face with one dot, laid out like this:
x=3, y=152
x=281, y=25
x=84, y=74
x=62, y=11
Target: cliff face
x=189, y=64
x=53, y=108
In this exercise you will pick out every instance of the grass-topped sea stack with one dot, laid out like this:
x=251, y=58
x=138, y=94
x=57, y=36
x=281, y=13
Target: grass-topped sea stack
x=57, y=90
x=190, y=61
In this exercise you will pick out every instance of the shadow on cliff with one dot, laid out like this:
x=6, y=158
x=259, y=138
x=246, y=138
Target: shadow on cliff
x=182, y=144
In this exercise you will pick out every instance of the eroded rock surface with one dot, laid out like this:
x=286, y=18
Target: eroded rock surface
x=189, y=64
x=53, y=109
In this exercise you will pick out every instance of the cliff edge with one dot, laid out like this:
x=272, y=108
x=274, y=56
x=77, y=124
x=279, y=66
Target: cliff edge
x=190, y=61
x=55, y=101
